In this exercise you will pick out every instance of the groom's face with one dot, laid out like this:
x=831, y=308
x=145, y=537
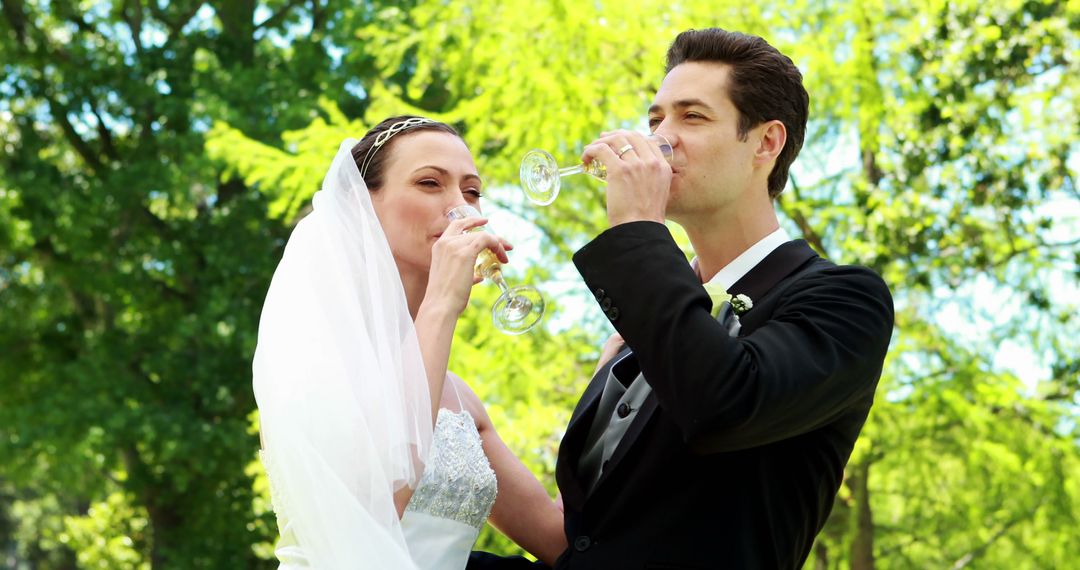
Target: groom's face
x=712, y=164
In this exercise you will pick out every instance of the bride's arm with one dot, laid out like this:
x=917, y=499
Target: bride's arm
x=435, y=323
x=523, y=510
x=450, y=281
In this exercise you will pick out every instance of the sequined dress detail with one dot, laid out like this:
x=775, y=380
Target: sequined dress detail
x=449, y=507
x=458, y=483
x=454, y=497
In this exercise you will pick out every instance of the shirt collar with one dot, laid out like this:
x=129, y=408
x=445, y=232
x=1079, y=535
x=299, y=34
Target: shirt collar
x=747, y=260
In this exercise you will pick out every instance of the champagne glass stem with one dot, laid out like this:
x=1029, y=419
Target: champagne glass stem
x=541, y=175
x=517, y=309
x=567, y=171
x=496, y=277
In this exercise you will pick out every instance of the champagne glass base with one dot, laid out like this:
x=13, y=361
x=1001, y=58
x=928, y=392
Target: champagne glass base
x=540, y=175
x=517, y=310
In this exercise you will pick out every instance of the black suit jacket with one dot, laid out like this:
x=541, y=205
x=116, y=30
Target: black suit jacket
x=736, y=457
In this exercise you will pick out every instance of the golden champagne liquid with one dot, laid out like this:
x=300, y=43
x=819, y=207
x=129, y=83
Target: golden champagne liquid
x=597, y=169
x=486, y=264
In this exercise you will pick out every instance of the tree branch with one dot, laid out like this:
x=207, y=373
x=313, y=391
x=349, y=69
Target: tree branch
x=158, y=223
x=147, y=123
x=83, y=305
x=800, y=220
x=318, y=17
x=134, y=22
x=83, y=25
x=968, y=558
x=1033, y=247
x=179, y=23
x=13, y=11
x=277, y=17
x=105, y=135
x=185, y=18
x=167, y=290
x=1069, y=182
x=59, y=112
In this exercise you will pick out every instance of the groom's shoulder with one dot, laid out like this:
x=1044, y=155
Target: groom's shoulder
x=823, y=276
x=840, y=272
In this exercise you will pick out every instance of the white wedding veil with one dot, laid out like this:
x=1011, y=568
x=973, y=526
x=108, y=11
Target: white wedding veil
x=339, y=380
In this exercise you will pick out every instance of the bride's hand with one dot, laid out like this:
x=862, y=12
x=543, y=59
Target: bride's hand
x=453, y=257
x=614, y=343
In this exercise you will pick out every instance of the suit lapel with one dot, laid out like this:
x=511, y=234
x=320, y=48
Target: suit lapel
x=566, y=468
x=590, y=399
x=780, y=263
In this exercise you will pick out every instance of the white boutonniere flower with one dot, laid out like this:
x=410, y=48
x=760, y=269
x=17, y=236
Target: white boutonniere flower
x=741, y=303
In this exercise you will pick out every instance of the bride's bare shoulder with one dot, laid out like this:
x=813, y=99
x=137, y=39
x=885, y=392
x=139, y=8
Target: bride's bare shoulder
x=470, y=401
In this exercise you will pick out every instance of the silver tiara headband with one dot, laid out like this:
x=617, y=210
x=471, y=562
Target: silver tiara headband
x=386, y=135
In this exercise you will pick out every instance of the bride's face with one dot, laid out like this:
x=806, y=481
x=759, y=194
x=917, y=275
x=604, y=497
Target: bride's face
x=426, y=174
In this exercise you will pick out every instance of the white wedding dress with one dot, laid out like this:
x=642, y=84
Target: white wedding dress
x=446, y=512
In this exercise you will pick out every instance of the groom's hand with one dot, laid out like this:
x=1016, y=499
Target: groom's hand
x=638, y=176
x=611, y=348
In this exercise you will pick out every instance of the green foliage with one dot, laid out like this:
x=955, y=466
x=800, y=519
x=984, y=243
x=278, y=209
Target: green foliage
x=963, y=469
x=131, y=274
x=112, y=534
x=154, y=159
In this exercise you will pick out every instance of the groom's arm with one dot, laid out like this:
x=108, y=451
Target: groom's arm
x=818, y=355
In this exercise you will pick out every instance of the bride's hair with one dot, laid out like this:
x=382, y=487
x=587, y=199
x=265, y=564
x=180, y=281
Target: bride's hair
x=372, y=151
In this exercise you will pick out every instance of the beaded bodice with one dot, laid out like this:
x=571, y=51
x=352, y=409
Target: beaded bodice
x=458, y=483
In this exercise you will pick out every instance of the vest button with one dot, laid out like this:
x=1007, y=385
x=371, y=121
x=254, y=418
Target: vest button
x=623, y=410
x=582, y=543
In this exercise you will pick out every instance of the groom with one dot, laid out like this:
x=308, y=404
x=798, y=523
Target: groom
x=708, y=441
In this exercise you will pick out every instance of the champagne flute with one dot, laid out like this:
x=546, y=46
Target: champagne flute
x=541, y=176
x=517, y=309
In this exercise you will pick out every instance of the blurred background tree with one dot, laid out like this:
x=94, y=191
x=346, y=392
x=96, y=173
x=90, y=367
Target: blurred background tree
x=156, y=155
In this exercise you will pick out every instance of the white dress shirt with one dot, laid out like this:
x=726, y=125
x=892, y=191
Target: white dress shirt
x=747, y=260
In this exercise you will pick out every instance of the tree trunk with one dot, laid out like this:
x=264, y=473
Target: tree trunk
x=164, y=525
x=821, y=556
x=238, y=31
x=862, y=546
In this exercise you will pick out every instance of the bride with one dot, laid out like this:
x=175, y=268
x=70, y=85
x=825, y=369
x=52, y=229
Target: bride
x=378, y=457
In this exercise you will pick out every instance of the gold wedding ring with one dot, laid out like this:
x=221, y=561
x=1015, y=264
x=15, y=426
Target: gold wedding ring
x=625, y=148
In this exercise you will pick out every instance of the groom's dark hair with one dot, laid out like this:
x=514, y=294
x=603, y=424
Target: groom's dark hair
x=764, y=85
x=376, y=163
